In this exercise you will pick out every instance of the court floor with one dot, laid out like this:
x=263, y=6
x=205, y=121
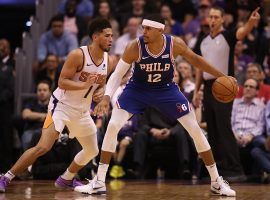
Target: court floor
x=133, y=190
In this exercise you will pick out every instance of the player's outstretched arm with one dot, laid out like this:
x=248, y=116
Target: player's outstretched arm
x=73, y=64
x=180, y=48
x=130, y=55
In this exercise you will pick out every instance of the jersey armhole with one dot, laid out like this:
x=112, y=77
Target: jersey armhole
x=140, y=50
x=80, y=69
x=171, y=51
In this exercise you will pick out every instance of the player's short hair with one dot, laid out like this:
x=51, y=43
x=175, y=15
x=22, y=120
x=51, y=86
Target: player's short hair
x=97, y=25
x=156, y=18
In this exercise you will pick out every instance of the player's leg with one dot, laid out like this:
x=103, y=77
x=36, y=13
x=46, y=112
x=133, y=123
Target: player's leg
x=88, y=152
x=190, y=123
x=48, y=137
x=97, y=185
x=118, y=119
x=84, y=129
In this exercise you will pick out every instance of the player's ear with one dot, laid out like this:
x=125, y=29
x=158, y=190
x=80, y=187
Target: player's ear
x=94, y=37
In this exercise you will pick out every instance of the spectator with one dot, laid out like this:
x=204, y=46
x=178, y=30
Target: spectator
x=104, y=10
x=72, y=23
x=218, y=49
x=157, y=129
x=5, y=56
x=241, y=61
x=6, y=107
x=187, y=82
x=248, y=121
x=132, y=33
x=137, y=10
x=50, y=70
x=261, y=154
x=254, y=70
x=191, y=23
x=84, y=8
x=56, y=41
x=179, y=8
x=166, y=14
x=35, y=112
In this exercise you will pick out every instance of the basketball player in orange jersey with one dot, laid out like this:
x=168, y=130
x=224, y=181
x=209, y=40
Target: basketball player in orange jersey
x=83, y=72
x=152, y=56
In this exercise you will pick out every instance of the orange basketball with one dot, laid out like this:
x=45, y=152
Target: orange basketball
x=224, y=89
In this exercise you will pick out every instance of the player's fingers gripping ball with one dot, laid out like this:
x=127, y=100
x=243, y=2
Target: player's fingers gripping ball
x=225, y=89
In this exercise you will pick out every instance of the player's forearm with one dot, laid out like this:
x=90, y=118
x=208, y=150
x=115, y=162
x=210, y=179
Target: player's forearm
x=201, y=64
x=112, y=85
x=116, y=77
x=67, y=84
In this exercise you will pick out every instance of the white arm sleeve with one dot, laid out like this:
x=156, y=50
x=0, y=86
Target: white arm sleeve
x=115, y=80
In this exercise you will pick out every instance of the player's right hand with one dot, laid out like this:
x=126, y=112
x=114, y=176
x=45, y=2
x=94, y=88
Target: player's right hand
x=102, y=107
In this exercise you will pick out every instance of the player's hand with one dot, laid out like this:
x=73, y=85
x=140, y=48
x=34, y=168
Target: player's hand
x=102, y=107
x=232, y=78
x=98, y=94
x=255, y=16
x=91, y=79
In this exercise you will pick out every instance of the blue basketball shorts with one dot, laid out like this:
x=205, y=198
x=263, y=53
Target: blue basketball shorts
x=168, y=99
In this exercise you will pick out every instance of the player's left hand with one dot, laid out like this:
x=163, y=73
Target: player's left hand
x=102, y=107
x=98, y=94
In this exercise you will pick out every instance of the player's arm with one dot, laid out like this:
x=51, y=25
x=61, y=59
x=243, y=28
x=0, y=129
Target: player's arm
x=130, y=55
x=74, y=63
x=180, y=48
x=243, y=31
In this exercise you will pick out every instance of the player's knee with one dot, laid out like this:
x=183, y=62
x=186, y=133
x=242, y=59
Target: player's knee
x=114, y=126
x=91, y=152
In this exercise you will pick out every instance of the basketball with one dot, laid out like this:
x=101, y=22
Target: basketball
x=224, y=89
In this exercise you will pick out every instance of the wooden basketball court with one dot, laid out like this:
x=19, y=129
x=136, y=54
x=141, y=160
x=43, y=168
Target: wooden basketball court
x=132, y=190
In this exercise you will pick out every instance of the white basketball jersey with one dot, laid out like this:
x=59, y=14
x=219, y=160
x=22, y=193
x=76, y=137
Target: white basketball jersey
x=82, y=99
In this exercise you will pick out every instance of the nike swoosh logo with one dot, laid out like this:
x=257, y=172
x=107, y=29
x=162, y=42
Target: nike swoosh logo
x=96, y=188
x=145, y=57
x=216, y=188
x=87, y=64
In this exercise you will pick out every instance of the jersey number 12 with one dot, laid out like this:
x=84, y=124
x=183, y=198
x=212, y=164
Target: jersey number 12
x=153, y=78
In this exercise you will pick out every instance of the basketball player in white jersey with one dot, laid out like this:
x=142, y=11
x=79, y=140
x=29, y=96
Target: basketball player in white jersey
x=83, y=72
